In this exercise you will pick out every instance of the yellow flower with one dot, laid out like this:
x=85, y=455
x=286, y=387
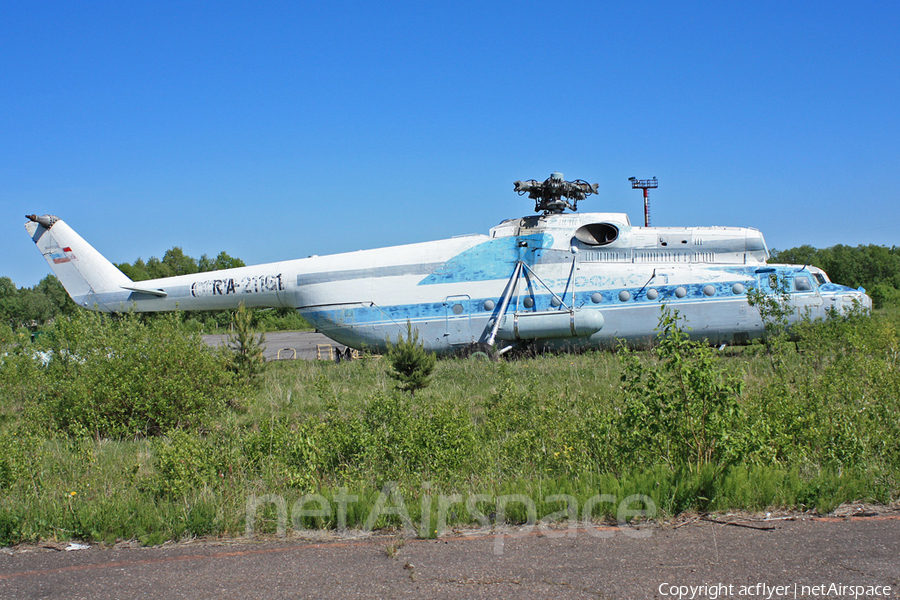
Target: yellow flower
x=72, y=494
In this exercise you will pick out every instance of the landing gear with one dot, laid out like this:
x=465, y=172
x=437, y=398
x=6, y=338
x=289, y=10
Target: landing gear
x=478, y=351
x=523, y=351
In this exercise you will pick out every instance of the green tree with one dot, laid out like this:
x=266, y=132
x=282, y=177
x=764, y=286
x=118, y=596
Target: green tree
x=34, y=307
x=247, y=347
x=222, y=261
x=411, y=365
x=7, y=335
x=875, y=268
x=136, y=271
x=801, y=255
x=60, y=302
x=45, y=301
x=10, y=303
x=178, y=262
x=157, y=269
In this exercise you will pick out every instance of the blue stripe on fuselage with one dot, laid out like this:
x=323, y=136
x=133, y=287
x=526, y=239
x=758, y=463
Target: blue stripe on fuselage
x=367, y=315
x=494, y=259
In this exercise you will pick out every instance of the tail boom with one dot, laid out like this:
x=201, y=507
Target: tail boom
x=95, y=283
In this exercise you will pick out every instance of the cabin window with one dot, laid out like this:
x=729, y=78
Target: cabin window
x=802, y=284
x=820, y=278
x=597, y=234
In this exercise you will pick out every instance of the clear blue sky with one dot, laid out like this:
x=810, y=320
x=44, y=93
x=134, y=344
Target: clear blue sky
x=276, y=130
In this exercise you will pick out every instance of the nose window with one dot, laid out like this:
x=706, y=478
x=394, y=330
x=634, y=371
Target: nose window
x=802, y=284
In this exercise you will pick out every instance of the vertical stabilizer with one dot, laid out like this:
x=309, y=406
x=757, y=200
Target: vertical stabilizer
x=84, y=272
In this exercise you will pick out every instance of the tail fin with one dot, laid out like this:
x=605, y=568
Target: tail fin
x=82, y=270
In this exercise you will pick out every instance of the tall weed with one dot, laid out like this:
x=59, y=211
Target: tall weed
x=682, y=408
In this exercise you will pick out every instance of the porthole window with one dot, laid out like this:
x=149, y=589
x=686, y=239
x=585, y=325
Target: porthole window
x=652, y=294
x=489, y=305
x=680, y=292
x=624, y=296
x=596, y=297
x=709, y=290
x=737, y=288
x=528, y=302
x=554, y=302
x=457, y=309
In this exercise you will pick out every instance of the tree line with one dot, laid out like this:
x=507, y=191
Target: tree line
x=176, y=262
x=875, y=268
x=26, y=307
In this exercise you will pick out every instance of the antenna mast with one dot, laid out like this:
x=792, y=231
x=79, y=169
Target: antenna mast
x=644, y=184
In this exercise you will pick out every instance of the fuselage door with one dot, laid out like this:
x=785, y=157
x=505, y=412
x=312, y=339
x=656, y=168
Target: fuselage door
x=459, y=324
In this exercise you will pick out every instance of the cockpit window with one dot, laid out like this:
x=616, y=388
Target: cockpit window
x=597, y=234
x=802, y=284
x=820, y=278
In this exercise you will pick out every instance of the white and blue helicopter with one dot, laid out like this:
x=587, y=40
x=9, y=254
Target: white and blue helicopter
x=552, y=280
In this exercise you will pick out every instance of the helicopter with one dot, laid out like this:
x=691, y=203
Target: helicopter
x=558, y=279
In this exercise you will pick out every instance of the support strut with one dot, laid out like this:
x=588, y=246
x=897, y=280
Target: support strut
x=504, y=301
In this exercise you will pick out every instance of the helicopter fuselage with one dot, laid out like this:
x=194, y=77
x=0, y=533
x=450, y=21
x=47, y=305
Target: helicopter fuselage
x=569, y=280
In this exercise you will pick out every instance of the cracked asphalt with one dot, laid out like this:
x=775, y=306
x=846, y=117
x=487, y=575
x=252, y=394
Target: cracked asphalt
x=771, y=559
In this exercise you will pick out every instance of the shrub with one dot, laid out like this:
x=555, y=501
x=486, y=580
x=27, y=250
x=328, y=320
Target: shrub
x=411, y=364
x=115, y=377
x=183, y=461
x=281, y=452
x=775, y=309
x=834, y=403
x=682, y=410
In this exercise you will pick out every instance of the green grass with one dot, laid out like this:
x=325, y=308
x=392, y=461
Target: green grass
x=811, y=425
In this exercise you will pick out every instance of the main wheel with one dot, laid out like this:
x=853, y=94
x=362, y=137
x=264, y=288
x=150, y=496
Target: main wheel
x=478, y=351
x=522, y=351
